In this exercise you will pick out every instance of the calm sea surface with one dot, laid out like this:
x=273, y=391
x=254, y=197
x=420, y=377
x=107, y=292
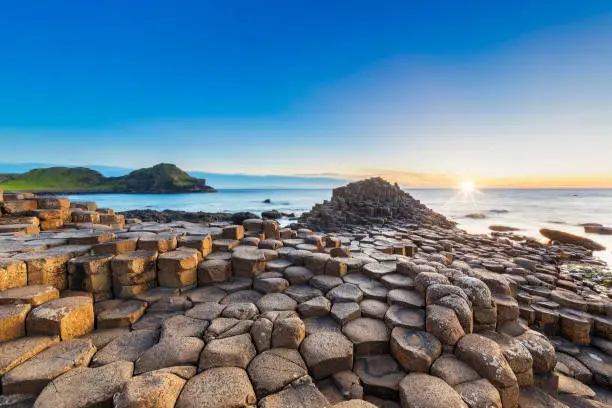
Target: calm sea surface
x=528, y=210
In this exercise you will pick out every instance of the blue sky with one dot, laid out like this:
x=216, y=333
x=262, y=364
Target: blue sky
x=427, y=93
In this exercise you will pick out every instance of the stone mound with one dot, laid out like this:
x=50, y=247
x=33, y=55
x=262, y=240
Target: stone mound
x=368, y=202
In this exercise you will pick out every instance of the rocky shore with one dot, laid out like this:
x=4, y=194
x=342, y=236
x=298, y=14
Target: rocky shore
x=369, y=300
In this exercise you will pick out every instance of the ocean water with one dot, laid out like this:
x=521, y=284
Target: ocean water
x=527, y=209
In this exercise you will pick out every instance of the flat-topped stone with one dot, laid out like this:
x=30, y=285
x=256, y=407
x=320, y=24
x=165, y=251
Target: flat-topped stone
x=426, y=391
x=401, y=316
x=414, y=350
x=326, y=353
x=274, y=369
x=127, y=347
x=13, y=273
x=380, y=375
x=124, y=315
x=156, y=388
x=369, y=336
x=218, y=387
x=15, y=352
x=33, y=375
x=66, y=317
x=86, y=387
x=169, y=352
x=12, y=321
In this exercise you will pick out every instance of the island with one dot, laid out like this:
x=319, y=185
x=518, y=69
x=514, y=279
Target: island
x=162, y=178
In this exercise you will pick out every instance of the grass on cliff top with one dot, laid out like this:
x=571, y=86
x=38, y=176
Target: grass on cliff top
x=58, y=179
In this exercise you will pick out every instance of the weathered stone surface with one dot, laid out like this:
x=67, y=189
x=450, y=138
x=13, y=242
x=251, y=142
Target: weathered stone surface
x=33, y=294
x=535, y=397
x=407, y=317
x=101, y=338
x=86, y=387
x=406, y=298
x=153, y=389
x=214, y=270
x=12, y=321
x=302, y=293
x=276, y=301
x=599, y=363
x=33, y=375
x=347, y=292
x=171, y=351
x=15, y=352
x=248, y=262
x=242, y=296
x=355, y=403
x=183, y=326
x=274, y=369
x=318, y=306
x=66, y=317
x=369, y=336
x=542, y=351
x=205, y=311
x=270, y=285
x=235, y=351
x=205, y=294
x=373, y=308
x=379, y=374
x=300, y=396
x=13, y=273
x=425, y=391
x=288, y=332
x=217, y=387
x=344, y=312
x=240, y=311
x=326, y=353
x=127, y=347
x=222, y=327
x=47, y=267
x=123, y=315
x=443, y=323
x=453, y=371
x=479, y=393
x=414, y=350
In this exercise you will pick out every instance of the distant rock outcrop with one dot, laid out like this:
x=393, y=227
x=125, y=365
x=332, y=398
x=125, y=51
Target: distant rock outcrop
x=567, y=238
x=371, y=201
x=161, y=178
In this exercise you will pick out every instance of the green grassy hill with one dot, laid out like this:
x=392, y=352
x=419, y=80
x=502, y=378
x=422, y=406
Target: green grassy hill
x=161, y=178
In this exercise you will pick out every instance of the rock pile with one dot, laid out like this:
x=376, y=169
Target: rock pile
x=254, y=315
x=369, y=202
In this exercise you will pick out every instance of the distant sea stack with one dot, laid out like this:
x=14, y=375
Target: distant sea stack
x=368, y=202
x=162, y=178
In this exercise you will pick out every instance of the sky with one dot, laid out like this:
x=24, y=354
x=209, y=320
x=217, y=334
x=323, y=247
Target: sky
x=504, y=93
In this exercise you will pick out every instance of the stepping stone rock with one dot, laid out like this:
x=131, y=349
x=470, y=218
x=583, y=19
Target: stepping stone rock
x=452, y=370
x=171, y=351
x=35, y=295
x=127, y=347
x=374, y=290
x=377, y=270
x=356, y=403
x=274, y=369
x=154, y=389
x=124, y=315
x=298, y=275
x=276, y=301
x=406, y=298
x=66, y=317
x=405, y=317
x=86, y=387
x=347, y=292
x=242, y=296
x=205, y=311
x=380, y=375
x=236, y=351
x=270, y=285
x=288, y=332
x=443, y=323
x=479, y=393
x=33, y=375
x=13, y=321
x=15, y=352
x=373, y=308
x=214, y=270
x=248, y=262
x=326, y=353
x=414, y=350
x=398, y=281
x=301, y=396
x=13, y=273
x=425, y=391
x=240, y=311
x=218, y=387
x=599, y=363
x=205, y=294
x=542, y=351
x=222, y=327
x=345, y=312
x=302, y=293
x=100, y=338
x=183, y=326
x=325, y=283
x=486, y=357
x=370, y=336
x=321, y=324
x=318, y=306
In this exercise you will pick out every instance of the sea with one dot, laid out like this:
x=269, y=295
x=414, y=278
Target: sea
x=526, y=209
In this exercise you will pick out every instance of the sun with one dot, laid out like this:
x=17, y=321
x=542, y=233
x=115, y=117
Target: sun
x=467, y=186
